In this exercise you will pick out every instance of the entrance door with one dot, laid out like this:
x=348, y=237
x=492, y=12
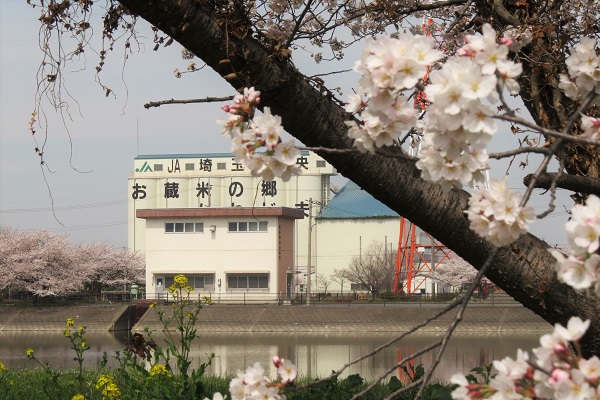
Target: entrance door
x=289, y=285
x=159, y=285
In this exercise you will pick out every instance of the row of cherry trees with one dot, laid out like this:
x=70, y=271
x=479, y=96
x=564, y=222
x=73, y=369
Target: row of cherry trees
x=44, y=264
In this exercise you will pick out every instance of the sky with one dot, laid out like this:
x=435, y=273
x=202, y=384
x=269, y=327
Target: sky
x=89, y=152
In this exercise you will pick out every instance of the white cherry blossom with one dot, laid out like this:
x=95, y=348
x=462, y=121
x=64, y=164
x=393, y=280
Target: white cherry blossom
x=506, y=220
x=575, y=329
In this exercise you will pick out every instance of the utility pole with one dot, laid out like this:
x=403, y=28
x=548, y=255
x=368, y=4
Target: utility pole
x=308, y=268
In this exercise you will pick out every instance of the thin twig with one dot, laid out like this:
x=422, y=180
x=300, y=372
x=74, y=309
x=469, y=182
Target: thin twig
x=556, y=145
x=458, y=319
x=329, y=73
x=298, y=23
x=548, y=132
x=188, y=101
x=522, y=150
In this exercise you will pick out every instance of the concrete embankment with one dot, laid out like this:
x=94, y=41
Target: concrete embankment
x=95, y=318
x=353, y=318
x=478, y=320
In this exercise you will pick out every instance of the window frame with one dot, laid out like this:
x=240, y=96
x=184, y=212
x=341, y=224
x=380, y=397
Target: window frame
x=248, y=281
x=247, y=226
x=182, y=227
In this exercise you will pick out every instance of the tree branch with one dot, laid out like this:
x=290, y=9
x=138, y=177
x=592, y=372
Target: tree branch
x=579, y=184
x=189, y=101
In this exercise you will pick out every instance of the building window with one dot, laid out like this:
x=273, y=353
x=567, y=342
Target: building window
x=321, y=164
x=204, y=282
x=247, y=281
x=221, y=165
x=189, y=166
x=158, y=167
x=358, y=287
x=184, y=227
x=252, y=226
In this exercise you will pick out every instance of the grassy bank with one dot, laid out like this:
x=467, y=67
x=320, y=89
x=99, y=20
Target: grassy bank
x=42, y=384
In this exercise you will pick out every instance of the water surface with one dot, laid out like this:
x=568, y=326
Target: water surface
x=314, y=354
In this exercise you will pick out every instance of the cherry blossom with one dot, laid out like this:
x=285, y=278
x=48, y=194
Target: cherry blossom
x=584, y=71
x=388, y=67
x=459, y=114
x=580, y=268
x=556, y=373
x=45, y=264
x=250, y=133
x=591, y=127
x=495, y=214
x=253, y=384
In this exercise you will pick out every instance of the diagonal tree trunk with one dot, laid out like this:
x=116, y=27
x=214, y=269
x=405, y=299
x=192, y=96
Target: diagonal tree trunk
x=525, y=269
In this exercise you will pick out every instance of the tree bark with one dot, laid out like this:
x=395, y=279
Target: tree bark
x=524, y=269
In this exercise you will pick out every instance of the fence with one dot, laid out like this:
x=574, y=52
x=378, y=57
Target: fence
x=263, y=298
x=70, y=299
x=258, y=298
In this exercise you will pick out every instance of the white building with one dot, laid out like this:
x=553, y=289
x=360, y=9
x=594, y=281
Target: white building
x=196, y=182
x=224, y=252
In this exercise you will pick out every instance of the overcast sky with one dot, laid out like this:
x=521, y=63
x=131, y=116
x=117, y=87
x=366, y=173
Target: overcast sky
x=91, y=154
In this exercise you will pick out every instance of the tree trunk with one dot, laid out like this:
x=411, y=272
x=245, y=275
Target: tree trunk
x=524, y=269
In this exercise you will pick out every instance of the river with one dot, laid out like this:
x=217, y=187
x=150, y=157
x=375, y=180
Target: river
x=314, y=354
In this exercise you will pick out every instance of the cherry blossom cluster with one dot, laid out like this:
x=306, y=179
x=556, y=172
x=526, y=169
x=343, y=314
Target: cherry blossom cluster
x=581, y=268
x=388, y=67
x=584, y=71
x=459, y=121
x=495, y=214
x=590, y=127
x=517, y=37
x=253, y=384
x=251, y=134
x=556, y=373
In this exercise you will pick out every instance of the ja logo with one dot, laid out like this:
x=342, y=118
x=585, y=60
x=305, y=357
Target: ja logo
x=145, y=168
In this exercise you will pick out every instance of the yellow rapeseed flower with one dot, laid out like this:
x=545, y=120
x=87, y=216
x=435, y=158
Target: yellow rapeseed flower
x=159, y=369
x=181, y=280
x=111, y=391
x=104, y=380
x=29, y=352
x=70, y=322
x=2, y=367
x=108, y=387
x=67, y=332
x=78, y=397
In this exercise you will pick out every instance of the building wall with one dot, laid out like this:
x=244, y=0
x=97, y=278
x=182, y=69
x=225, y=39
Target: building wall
x=337, y=241
x=219, y=252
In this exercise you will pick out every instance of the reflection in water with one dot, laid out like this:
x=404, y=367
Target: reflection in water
x=54, y=348
x=315, y=354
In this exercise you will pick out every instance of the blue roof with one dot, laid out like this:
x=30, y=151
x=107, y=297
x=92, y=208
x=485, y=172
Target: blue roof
x=353, y=202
